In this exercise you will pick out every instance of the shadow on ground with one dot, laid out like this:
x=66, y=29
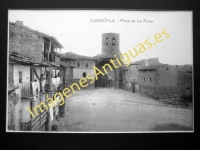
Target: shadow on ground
x=176, y=102
x=170, y=127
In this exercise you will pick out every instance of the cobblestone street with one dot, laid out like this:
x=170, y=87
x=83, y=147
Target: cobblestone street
x=111, y=110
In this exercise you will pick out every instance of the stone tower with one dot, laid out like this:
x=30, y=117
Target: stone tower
x=110, y=44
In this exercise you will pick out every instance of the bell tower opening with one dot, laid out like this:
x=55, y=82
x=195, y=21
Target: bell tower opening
x=113, y=41
x=110, y=44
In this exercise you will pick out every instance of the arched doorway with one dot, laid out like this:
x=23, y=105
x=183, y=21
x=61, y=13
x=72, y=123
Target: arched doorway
x=108, y=79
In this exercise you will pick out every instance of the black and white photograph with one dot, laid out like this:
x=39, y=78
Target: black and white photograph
x=100, y=71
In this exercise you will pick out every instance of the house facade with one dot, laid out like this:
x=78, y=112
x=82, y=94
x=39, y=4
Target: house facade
x=164, y=81
x=130, y=74
x=34, y=64
x=184, y=79
x=82, y=67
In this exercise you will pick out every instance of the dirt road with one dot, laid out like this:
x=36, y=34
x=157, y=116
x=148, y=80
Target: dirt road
x=111, y=110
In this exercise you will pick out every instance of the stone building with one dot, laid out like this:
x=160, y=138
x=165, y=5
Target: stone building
x=184, y=81
x=110, y=50
x=82, y=66
x=34, y=63
x=130, y=74
x=164, y=81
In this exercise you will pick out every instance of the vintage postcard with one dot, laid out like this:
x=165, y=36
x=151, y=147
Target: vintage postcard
x=100, y=71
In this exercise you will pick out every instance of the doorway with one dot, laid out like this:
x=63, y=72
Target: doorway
x=104, y=84
x=133, y=88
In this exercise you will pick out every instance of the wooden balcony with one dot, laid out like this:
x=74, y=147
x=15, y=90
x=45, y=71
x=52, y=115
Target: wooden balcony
x=51, y=57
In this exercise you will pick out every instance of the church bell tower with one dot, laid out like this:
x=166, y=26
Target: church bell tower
x=110, y=44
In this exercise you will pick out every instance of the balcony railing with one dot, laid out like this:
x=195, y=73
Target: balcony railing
x=50, y=57
x=35, y=123
x=26, y=90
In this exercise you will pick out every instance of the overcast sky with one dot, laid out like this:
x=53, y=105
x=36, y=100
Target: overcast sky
x=77, y=34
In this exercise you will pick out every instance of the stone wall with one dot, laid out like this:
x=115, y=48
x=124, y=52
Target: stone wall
x=147, y=78
x=158, y=92
x=163, y=82
x=131, y=76
x=167, y=76
x=25, y=42
x=166, y=92
x=147, y=90
x=78, y=71
x=184, y=84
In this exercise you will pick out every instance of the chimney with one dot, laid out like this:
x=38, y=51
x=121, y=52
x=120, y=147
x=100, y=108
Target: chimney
x=19, y=23
x=153, y=61
x=146, y=62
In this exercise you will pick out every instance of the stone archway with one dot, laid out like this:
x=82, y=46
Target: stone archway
x=111, y=78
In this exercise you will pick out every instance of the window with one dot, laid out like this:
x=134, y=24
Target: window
x=187, y=88
x=20, y=77
x=107, y=38
x=167, y=69
x=86, y=65
x=78, y=65
x=149, y=79
x=144, y=79
x=106, y=43
x=84, y=74
x=113, y=41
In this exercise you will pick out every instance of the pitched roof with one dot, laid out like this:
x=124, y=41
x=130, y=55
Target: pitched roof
x=151, y=67
x=65, y=64
x=15, y=57
x=103, y=56
x=155, y=61
x=138, y=62
x=51, y=38
x=185, y=68
x=155, y=67
x=74, y=56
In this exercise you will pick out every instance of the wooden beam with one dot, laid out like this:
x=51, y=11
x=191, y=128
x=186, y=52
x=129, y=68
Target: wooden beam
x=49, y=49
